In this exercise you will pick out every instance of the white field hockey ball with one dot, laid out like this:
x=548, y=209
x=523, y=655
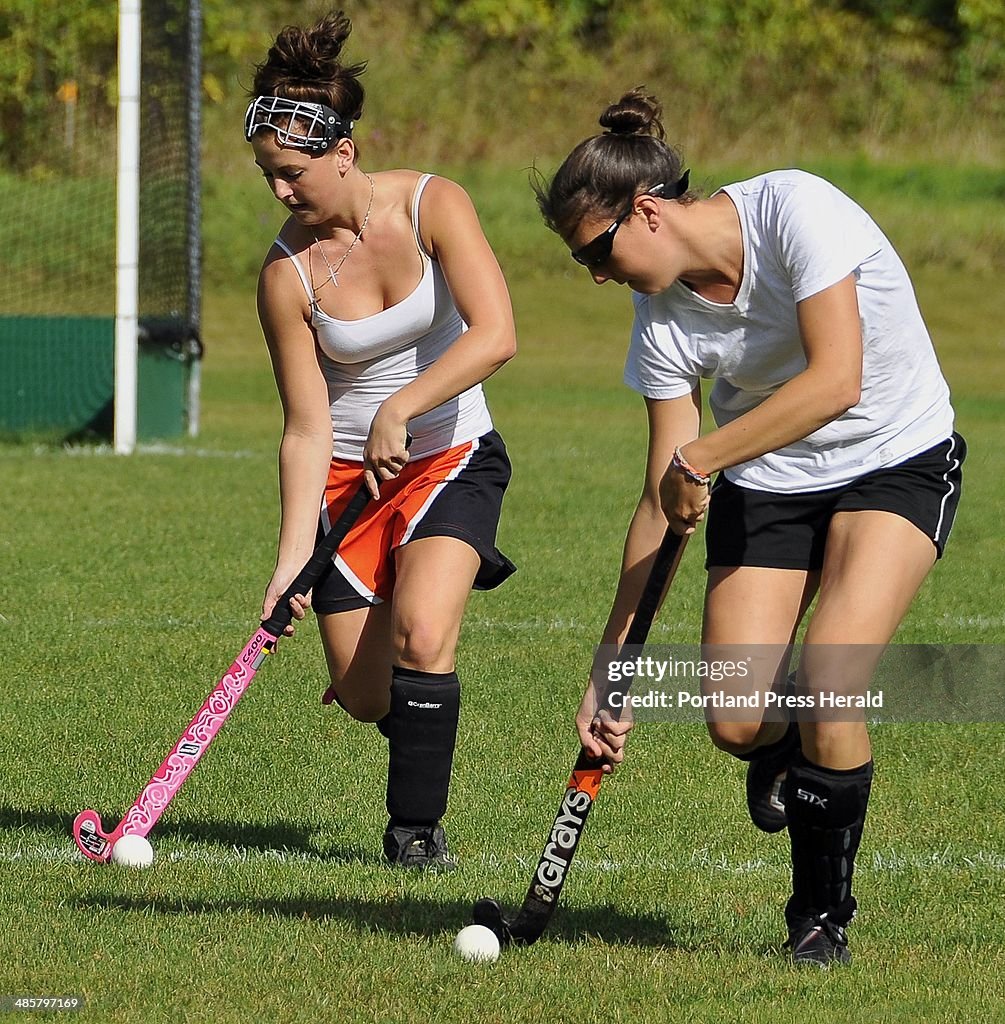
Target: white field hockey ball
x=133, y=852
x=477, y=944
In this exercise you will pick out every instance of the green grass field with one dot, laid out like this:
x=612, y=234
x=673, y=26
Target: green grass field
x=130, y=584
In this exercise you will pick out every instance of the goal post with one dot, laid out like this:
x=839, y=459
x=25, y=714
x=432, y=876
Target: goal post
x=127, y=234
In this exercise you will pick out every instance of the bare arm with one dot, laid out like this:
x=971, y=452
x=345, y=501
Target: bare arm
x=452, y=233
x=306, y=446
x=672, y=422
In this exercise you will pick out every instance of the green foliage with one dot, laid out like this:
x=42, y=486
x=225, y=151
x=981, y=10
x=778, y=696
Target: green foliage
x=498, y=73
x=937, y=13
x=981, y=60
x=44, y=44
x=235, y=35
x=521, y=22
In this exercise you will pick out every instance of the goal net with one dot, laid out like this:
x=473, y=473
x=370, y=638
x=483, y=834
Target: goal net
x=58, y=178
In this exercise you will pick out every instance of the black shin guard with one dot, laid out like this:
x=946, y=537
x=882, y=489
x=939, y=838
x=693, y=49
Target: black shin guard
x=826, y=814
x=422, y=730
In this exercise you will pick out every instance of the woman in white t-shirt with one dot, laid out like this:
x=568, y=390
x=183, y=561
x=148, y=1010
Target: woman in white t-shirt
x=384, y=309
x=838, y=470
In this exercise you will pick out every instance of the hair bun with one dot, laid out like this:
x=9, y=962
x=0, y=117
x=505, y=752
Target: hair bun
x=306, y=64
x=636, y=113
x=313, y=53
x=329, y=35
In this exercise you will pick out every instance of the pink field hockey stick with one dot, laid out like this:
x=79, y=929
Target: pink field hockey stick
x=88, y=834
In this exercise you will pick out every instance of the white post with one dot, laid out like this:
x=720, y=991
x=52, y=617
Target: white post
x=127, y=242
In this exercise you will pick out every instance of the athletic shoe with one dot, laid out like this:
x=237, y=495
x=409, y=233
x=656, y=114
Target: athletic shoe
x=418, y=846
x=766, y=781
x=819, y=942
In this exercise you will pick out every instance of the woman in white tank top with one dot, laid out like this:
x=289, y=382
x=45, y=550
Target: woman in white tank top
x=384, y=309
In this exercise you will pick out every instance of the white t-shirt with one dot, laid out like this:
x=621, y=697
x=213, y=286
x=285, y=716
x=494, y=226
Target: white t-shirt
x=800, y=236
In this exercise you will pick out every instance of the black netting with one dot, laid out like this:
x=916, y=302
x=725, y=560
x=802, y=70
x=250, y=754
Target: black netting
x=169, y=165
x=58, y=156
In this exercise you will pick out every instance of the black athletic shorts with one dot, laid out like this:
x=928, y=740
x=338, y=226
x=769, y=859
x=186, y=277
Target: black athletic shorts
x=789, y=531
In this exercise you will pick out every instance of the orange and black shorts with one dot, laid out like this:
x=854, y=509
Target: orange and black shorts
x=455, y=493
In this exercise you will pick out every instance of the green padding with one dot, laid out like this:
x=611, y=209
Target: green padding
x=161, y=394
x=57, y=372
x=58, y=375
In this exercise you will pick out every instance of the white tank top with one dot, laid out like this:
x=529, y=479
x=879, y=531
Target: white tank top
x=366, y=361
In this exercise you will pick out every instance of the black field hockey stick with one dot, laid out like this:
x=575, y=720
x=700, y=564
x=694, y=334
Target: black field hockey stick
x=88, y=834
x=580, y=793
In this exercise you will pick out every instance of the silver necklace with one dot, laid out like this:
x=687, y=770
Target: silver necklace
x=333, y=271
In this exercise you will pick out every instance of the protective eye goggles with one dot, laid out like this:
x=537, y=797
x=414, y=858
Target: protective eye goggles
x=597, y=251
x=319, y=126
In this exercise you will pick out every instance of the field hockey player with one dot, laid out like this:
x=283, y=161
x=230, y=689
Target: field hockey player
x=384, y=309
x=833, y=471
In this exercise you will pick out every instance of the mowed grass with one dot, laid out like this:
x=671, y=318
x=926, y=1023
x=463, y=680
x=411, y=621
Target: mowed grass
x=130, y=584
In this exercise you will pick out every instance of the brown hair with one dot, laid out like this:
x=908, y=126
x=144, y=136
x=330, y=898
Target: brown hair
x=305, y=64
x=604, y=172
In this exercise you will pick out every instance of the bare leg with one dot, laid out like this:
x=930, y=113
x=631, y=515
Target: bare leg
x=434, y=578
x=874, y=565
x=357, y=647
x=746, y=606
x=417, y=629
x=394, y=663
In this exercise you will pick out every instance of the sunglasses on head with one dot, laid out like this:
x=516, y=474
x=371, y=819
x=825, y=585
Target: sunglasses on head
x=598, y=250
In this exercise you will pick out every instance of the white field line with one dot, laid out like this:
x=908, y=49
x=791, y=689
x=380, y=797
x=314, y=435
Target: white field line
x=887, y=861
x=984, y=622
x=526, y=625
x=102, y=450
x=544, y=626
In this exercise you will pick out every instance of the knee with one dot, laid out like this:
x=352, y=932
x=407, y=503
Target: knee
x=736, y=738
x=425, y=645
